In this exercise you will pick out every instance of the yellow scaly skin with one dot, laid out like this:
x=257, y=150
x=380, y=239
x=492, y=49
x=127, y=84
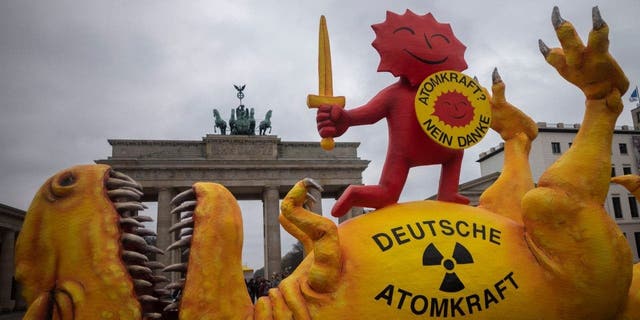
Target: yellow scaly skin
x=214, y=289
x=632, y=311
x=69, y=250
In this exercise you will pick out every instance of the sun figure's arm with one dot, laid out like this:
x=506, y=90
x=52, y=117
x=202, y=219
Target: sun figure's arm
x=333, y=121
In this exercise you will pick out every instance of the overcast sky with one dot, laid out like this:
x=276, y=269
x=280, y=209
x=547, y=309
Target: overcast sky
x=76, y=73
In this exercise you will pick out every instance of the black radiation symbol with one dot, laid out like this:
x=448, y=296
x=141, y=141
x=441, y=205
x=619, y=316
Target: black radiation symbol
x=433, y=257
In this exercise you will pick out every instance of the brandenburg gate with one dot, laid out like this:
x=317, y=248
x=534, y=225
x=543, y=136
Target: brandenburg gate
x=252, y=167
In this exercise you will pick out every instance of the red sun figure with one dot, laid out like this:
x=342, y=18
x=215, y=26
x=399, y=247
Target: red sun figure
x=454, y=109
x=411, y=47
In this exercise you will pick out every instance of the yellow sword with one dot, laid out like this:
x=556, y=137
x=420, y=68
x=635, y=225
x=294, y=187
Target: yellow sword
x=325, y=92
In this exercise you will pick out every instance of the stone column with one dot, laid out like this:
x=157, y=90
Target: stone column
x=272, y=254
x=164, y=222
x=6, y=269
x=354, y=212
x=317, y=206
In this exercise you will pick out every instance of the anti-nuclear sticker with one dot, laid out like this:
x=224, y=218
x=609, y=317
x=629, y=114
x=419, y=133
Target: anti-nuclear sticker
x=448, y=244
x=452, y=109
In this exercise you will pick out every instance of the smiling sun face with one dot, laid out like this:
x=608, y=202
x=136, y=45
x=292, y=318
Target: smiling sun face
x=454, y=109
x=415, y=47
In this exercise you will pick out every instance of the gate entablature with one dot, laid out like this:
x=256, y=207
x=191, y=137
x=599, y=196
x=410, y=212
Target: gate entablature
x=251, y=167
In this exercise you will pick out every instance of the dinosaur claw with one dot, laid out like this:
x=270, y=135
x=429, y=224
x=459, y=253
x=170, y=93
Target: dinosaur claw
x=310, y=183
x=543, y=48
x=556, y=19
x=495, y=76
x=598, y=22
x=311, y=198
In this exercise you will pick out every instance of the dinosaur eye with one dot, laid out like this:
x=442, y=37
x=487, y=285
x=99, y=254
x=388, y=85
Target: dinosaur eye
x=63, y=184
x=67, y=179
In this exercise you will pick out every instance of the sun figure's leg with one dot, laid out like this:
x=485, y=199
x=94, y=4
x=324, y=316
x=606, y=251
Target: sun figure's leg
x=387, y=192
x=449, y=180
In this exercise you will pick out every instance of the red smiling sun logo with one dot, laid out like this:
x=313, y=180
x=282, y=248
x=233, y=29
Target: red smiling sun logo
x=415, y=47
x=454, y=109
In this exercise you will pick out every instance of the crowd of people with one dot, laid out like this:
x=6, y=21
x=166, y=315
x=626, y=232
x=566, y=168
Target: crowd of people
x=259, y=286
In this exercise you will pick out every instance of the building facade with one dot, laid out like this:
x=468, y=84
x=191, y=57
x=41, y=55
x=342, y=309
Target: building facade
x=555, y=139
x=10, y=224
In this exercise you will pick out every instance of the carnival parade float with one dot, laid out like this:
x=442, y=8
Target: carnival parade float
x=527, y=251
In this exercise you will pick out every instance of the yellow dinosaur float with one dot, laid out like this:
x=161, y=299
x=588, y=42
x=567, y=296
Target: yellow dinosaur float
x=544, y=252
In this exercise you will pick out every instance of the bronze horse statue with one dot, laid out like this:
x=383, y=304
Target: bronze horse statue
x=266, y=123
x=219, y=123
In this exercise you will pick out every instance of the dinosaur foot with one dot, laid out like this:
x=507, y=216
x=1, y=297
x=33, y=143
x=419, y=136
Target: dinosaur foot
x=318, y=234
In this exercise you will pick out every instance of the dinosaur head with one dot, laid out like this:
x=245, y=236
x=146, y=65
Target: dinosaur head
x=82, y=231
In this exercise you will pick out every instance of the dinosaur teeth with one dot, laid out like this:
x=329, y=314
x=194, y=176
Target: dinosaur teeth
x=134, y=190
x=175, y=285
x=161, y=292
x=159, y=279
x=185, y=206
x=186, y=214
x=130, y=222
x=184, y=242
x=185, y=253
x=154, y=265
x=172, y=306
x=183, y=196
x=133, y=240
x=154, y=249
x=152, y=315
x=141, y=284
x=147, y=298
x=176, y=267
x=124, y=194
x=138, y=270
x=185, y=223
x=186, y=232
x=120, y=175
x=115, y=183
x=134, y=256
x=141, y=218
x=144, y=232
x=129, y=206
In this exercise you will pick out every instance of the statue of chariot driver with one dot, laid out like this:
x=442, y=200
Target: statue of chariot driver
x=242, y=121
